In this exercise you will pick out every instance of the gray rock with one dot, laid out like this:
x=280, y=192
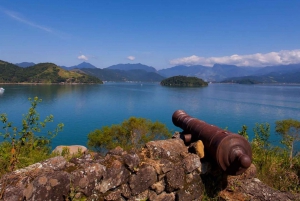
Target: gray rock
x=158, y=187
x=118, y=151
x=113, y=195
x=131, y=161
x=115, y=175
x=141, y=196
x=191, y=162
x=161, y=197
x=125, y=190
x=175, y=179
x=168, y=149
x=85, y=179
x=145, y=177
x=166, y=165
x=193, y=188
x=49, y=186
x=72, y=149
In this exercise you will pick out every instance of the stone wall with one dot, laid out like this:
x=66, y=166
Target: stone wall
x=163, y=171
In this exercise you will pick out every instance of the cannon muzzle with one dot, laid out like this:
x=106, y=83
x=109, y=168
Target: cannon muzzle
x=232, y=152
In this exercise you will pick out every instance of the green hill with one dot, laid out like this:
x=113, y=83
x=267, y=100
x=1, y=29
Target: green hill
x=183, y=81
x=42, y=73
x=122, y=75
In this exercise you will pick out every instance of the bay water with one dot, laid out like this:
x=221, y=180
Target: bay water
x=84, y=108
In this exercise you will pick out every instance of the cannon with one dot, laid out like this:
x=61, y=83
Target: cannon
x=232, y=152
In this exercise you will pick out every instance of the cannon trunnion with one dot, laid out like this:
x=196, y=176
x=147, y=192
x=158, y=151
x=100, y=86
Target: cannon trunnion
x=230, y=151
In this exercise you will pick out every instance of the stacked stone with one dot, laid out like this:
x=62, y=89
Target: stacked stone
x=163, y=170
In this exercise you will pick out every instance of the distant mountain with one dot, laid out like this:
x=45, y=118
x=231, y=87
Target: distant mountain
x=216, y=73
x=270, y=78
x=279, y=69
x=183, y=70
x=122, y=75
x=25, y=64
x=41, y=73
x=127, y=67
x=221, y=71
x=79, y=66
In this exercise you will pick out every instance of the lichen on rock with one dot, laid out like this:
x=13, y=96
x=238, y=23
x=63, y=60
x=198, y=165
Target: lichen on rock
x=163, y=171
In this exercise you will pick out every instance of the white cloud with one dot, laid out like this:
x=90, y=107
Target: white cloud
x=283, y=57
x=83, y=57
x=131, y=58
x=17, y=17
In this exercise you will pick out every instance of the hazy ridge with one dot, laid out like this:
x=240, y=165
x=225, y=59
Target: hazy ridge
x=217, y=73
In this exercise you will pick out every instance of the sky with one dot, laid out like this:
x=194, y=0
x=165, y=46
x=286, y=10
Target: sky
x=158, y=33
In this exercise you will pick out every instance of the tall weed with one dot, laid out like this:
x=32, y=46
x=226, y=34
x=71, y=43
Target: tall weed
x=24, y=146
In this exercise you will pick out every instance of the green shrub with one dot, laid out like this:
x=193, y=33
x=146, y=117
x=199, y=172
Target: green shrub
x=23, y=146
x=289, y=130
x=132, y=133
x=273, y=163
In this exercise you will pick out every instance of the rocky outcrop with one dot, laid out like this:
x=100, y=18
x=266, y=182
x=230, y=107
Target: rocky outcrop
x=163, y=171
x=70, y=150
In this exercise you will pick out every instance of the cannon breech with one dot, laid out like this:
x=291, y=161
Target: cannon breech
x=232, y=152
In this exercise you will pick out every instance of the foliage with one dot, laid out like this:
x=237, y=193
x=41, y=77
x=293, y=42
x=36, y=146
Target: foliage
x=273, y=168
x=183, y=81
x=131, y=133
x=24, y=146
x=247, y=81
x=261, y=135
x=272, y=163
x=67, y=155
x=244, y=132
x=118, y=75
x=41, y=73
x=289, y=129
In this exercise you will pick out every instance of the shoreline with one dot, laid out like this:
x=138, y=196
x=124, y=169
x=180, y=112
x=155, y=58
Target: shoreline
x=28, y=83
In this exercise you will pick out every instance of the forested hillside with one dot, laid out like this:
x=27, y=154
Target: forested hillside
x=122, y=75
x=41, y=73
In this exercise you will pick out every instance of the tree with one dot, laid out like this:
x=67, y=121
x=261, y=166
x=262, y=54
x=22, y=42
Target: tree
x=131, y=133
x=289, y=129
x=261, y=135
x=24, y=146
x=244, y=132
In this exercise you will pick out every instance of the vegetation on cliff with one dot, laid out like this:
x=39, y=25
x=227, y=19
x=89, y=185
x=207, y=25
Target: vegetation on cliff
x=274, y=164
x=42, y=73
x=28, y=144
x=183, y=81
x=131, y=133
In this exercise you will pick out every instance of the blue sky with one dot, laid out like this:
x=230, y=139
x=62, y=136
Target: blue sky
x=159, y=33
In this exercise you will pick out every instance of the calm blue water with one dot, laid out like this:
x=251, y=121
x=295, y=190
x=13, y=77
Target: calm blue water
x=84, y=108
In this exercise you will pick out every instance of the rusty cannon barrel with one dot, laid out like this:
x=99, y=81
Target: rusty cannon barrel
x=232, y=152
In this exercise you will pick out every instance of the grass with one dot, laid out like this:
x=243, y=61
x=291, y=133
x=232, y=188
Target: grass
x=273, y=168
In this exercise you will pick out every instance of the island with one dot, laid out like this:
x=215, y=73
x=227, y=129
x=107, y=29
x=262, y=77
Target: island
x=183, y=81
